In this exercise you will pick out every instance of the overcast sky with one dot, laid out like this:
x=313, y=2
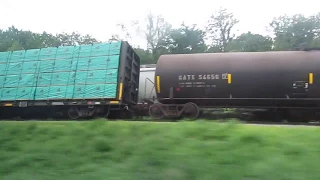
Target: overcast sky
x=99, y=17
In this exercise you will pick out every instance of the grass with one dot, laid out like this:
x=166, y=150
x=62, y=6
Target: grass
x=144, y=150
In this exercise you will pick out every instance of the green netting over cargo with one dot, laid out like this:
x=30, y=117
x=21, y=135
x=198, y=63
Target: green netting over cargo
x=41, y=93
x=17, y=56
x=2, y=79
x=8, y=94
x=11, y=80
x=4, y=57
x=99, y=62
x=60, y=92
x=92, y=91
x=96, y=76
x=27, y=80
x=3, y=68
x=46, y=66
x=65, y=65
x=32, y=55
x=67, y=52
x=61, y=79
x=101, y=49
x=14, y=68
x=65, y=72
x=30, y=67
x=48, y=53
x=17, y=93
x=25, y=93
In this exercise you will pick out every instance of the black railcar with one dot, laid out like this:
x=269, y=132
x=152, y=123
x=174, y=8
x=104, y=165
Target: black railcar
x=277, y=79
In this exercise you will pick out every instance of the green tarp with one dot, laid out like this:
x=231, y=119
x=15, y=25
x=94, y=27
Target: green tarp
x=65, y=65
x=14, y=68
x=46, y=66
x=3, y=69
x=9, y=94
x=2, y=79
x=67, y=52
x=48, y=53
x=95, y=91
x=4, y=57
x=30, y=67
x=61, y=92
x=11, y=80
x=31, y=55
x=42, y=93
x=25, y=93
x=17, y=56
x=66, y=72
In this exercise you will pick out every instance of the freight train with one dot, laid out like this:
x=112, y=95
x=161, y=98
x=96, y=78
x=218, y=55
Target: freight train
x=107, y=79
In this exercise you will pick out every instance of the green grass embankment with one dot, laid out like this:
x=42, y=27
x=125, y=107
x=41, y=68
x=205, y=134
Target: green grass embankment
x=141, y=150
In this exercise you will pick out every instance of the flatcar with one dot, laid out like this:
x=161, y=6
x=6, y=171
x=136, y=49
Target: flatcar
x=77, y=81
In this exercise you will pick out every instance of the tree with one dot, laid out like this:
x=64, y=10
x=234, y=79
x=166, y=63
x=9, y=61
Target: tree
x=15, y=46
x=145, y=56
x=220, y=28
x=185, y=40
x=316, y=43
x=75, y=38
x=49, y=40
x=125, y=35
x=293, y=31
x=154, y=31
x=248, y=42
x=15, y=39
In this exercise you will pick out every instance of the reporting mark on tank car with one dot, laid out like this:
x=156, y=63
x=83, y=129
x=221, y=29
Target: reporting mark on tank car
x=190, y=77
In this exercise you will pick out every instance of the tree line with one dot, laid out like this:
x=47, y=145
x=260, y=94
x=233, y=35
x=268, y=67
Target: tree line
x=290, y=33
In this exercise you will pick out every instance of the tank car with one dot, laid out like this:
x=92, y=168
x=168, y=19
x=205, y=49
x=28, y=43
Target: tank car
x=147, y=92
x=146, y=82
x=276, y=79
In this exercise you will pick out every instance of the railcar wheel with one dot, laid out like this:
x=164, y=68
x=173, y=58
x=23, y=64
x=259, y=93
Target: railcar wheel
x=191, y=111
x=73, y=113
x=155, y=111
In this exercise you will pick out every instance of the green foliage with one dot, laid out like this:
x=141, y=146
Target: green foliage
x=293, y=31
x=75, y=39
x=15, y=39
x=220, y=27
x=185, y=40
x=248, y=42
x=142, y=150
x=146, y=56
x=15, y=46
x=156, y=31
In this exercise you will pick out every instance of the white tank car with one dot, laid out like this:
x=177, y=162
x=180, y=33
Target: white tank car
x=146, y=82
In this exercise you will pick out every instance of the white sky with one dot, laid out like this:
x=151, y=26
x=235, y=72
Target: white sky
x=99, y=17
